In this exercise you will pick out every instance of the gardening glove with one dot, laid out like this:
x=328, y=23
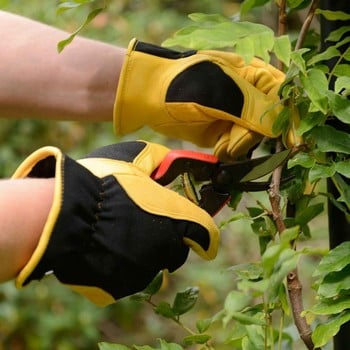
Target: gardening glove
x=210, y=98
x=111, y=228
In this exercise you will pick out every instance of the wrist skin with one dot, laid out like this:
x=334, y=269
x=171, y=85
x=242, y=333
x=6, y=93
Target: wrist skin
x=25, y=206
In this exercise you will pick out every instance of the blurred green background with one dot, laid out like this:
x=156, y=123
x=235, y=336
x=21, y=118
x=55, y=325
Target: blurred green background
x=46, y=315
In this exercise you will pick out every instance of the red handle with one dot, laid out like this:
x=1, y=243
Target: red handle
x=178, y=162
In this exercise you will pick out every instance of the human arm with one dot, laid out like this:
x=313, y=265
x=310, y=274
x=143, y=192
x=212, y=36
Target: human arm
x=25, y=204
x=211, y=98
x=38, y=82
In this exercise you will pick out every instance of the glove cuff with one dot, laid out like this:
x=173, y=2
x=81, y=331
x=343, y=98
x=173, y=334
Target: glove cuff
x=145, y=77
x=129, y=113
x=70, y=219
x=53, y=168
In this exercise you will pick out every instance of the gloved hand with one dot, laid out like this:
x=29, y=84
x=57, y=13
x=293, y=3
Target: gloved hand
x=208, y=97
x=111, y=228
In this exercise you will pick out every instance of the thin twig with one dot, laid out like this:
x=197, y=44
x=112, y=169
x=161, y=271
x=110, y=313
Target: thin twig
x=282, y=18
x=274, y=194
x=306, y=25
x=282, y=24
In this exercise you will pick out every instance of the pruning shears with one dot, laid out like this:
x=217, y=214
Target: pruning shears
x=220, y=179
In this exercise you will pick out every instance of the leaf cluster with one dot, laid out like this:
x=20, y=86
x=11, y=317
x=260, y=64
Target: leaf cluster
x=315, y=113
x=333, y=290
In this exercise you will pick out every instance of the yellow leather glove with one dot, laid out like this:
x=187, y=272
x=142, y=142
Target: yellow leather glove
x=210, y=98
x=111, y=228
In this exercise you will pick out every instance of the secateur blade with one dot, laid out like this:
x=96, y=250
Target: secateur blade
x=221, y=178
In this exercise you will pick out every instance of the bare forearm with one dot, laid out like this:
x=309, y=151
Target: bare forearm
x=38, y=82
x=25, y=204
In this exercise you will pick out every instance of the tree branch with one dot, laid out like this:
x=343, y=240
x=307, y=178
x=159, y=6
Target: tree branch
x=293, y=283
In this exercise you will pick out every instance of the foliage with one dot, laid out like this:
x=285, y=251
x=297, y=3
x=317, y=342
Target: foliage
x=253, y=310
x=333, y=290
x=261, y=292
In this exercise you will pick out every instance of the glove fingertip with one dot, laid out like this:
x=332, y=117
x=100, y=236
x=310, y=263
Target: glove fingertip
x=204, y=241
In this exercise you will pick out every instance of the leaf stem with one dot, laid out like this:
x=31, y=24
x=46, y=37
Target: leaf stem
x=341, y=57
x=279, y=345
x=175, y=319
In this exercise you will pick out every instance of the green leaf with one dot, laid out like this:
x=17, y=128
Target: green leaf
x=155, y=285
x=246, y=319
x=110, y=346
x=203, y=325
x=337, y=204
x=169, y=346
x=63, y=43
x=284, y=300
x=150, y=290
x=67, y=5
x=265, y=229
x=306, y=160
x=268, y=166
x=334, y=15
x=298, y=60
x=337, y=34
x=340, y=106
x=287, y=262
x=326, y=55
x=289, y=235
x=336, y=260
x=316, y=85
x=282, y=121
x=324, y=333
x=237, y=216
x=254, y=288
x=342, y=70
x=164, y=309
x=196, y=339
x=256, y=336
x=304, y=216
x=248, y=271
x=255, y=44
x=335, y=283
x=309, y=121
x=236, y=301
x=331, y=306
x=144, y=347
x=270, y=258
x=237, y=333
x=343, y=167
x=343, y=188
x=329, y=139
x=185, y=301
x=247, y=5
x=283, y=49
x=342, y=85
x=207, y=18
x=250, y=39
x=274, y=252
x=321, y=171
